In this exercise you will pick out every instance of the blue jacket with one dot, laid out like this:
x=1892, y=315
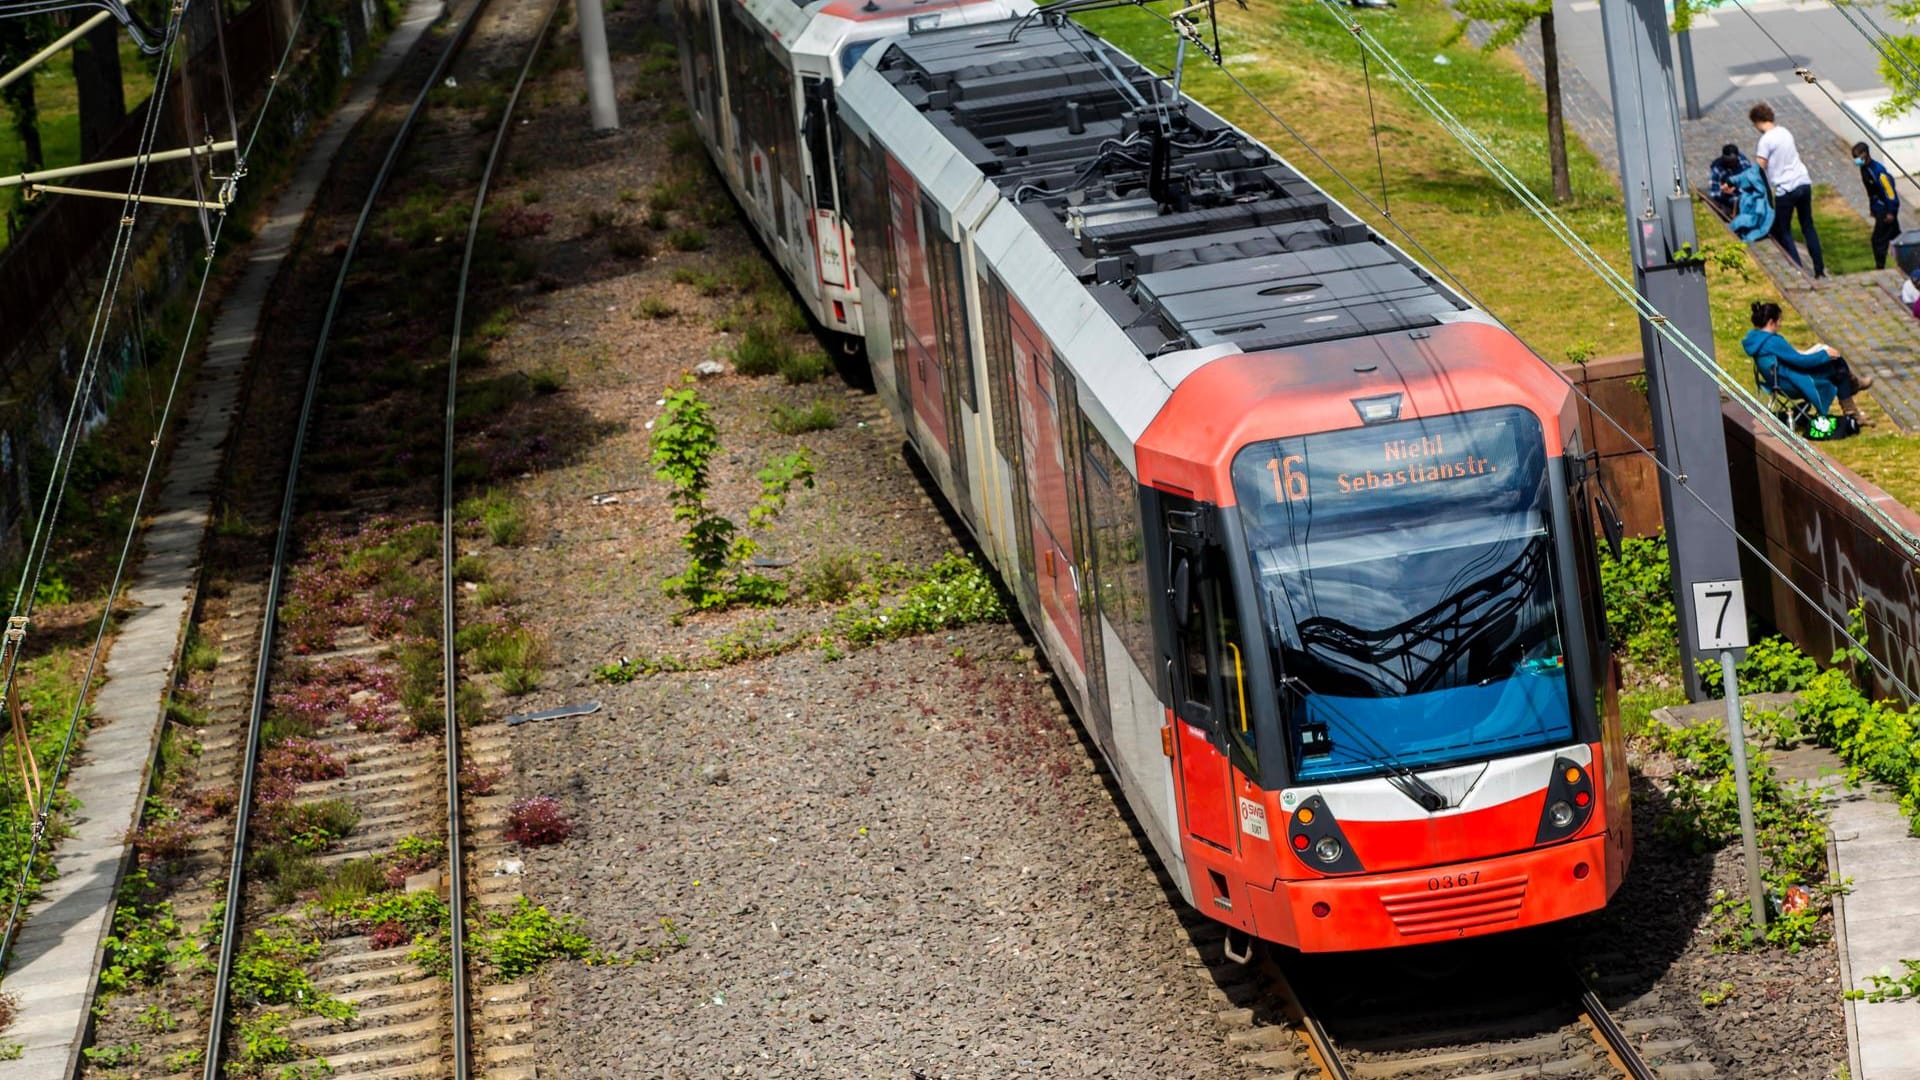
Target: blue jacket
x=1803, y=375
x=1754, y=220
x=1882, y=197
x=1716, y=175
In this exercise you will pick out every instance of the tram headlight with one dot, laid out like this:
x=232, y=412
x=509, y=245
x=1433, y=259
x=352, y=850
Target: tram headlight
x=1328, y=850
x=1560, y=814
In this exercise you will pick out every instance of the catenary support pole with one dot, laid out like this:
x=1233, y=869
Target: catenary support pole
x=1686, y=404
x=593, y=53
x=1689, y=86
x=1737, y=741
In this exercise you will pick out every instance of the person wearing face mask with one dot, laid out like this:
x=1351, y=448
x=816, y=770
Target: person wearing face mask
x=1883, y=202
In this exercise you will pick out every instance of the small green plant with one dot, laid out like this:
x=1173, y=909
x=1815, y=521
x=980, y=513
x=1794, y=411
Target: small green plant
x=1582, y=351
x=831, y=579
x=684, y=442
x=517, y=943
x=504, y=522
x=264, y=1041
x=1882, y=987
x=955, y=592
x=184, y=1060
x=818, y=416
x=1717, y=996
x=156, y=1020
x=269, y=970
x=145, y=938
x=653, y=307
x=800, y=368
x=112, y=1057
x=762, y=350
x=11, y=1051
x=1773, y=665
x=199, y=654
x=687, y=239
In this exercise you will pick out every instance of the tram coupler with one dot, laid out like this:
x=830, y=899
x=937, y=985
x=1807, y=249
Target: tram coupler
x=1238, y=946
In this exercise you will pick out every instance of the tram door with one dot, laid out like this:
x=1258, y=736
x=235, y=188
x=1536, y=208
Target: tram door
x=1202, y=711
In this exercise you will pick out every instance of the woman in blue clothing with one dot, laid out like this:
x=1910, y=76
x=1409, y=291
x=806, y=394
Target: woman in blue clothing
x=1817, y=375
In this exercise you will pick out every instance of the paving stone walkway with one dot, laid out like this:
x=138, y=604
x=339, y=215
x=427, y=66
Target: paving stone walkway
x=56, y=957
x=1858, y=314
x=1874, y=851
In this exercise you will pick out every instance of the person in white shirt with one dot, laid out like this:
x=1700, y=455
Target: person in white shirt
x=1779, y=158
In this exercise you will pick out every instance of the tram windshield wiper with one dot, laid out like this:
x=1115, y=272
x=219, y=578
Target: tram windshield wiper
x=1404, y=779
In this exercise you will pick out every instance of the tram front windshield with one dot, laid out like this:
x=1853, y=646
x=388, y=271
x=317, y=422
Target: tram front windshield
x=1407, y=589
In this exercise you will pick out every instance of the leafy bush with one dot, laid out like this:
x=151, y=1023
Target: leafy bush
x=268, y=971
x=519, y=942
x=1637, y=589
x=537, y=822
x=1772, y=665
x=818, y=416
x=805, y=367
x=762, y=350
x=956, y=591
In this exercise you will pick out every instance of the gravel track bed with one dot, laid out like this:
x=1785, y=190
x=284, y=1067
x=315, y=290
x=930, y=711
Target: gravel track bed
x=904, y=862
x=901, y=863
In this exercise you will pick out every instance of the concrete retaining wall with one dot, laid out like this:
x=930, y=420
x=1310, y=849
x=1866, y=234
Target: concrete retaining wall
x=1832, y=555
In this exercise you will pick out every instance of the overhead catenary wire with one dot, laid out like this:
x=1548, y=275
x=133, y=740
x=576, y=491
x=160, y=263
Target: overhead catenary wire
x=56, y=488
x=1811, y=78
x=1908, y=543
x=158, y=441
x=1678, y=482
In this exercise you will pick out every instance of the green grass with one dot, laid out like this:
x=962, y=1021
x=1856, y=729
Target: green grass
x=59, y=107
x=1435, y=188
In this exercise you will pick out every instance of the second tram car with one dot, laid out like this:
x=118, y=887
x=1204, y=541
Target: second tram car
x=760, y=78
x=1307, y=537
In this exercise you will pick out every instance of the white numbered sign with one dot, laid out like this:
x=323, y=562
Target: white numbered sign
x=1719, y=616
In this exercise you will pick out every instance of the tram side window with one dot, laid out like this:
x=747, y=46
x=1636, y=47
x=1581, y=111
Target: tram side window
x=866, y=205
x=1196, y=665
x=1233, y=679
x=823, y=138
x=996, y=320
x=1119, y=552
x=949, y=286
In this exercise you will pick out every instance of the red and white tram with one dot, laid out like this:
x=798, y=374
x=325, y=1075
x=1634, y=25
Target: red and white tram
x=1308, y=538
x=760, y=78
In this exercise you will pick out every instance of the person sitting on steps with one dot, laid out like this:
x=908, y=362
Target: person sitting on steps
x=1817, y=376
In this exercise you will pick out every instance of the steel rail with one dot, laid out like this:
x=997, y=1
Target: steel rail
x=235, y=900
x=1320, y=1048
x=449, y=654
x=1618, y=1044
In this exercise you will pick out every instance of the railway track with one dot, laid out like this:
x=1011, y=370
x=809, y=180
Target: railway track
x=1494, y=1010
x=390, y=798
